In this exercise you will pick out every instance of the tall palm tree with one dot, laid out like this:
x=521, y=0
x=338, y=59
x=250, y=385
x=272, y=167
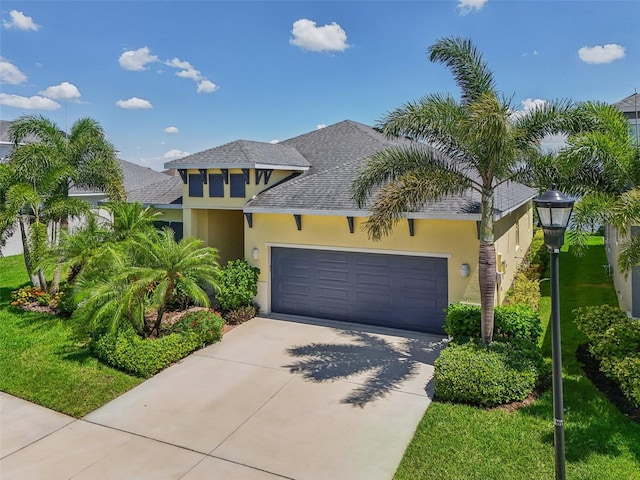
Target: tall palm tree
x=144, y=272
x=40, y=173
x=477, y=143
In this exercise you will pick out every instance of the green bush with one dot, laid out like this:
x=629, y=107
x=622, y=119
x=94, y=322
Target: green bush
x=614, y=340
x=126, y=351
x=238, y=285
x=525, y=290
x=510, y=322
x=66, y=303
x=537, y=257
x=487, y=376
x=204, y=323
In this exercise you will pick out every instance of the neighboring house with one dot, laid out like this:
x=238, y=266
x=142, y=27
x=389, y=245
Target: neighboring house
x=627, y=286
x=287, y=209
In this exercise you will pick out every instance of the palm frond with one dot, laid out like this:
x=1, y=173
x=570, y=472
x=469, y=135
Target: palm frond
x=469, y=70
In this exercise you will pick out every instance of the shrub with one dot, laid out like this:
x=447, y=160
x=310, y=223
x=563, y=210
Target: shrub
x=204, y=323
x=126, y=351
x=524, y=290
x=614, y=340
x=240, y=315
x=67, y=303
x=487, y=375
x=537, y=257
x=238, y=285
x=511, y=322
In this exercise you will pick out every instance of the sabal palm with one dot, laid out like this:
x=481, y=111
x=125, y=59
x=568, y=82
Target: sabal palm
x=145, y=271
x=475, y=143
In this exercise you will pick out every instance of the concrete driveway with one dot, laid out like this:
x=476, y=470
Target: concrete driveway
x=274, y=399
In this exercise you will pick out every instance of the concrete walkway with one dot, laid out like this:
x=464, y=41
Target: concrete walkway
x=274, y=399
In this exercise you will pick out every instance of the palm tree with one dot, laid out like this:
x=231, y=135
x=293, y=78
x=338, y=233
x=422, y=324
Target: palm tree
x=144, y=272
x=601, y=165
x=130, y=219
x=39, y=175
x=477, y=143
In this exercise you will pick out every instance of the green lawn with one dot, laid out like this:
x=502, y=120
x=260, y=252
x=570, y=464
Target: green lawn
x=461, y=442
x=45, y=359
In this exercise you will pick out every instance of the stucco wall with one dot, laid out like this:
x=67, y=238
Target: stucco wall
x=222, y=229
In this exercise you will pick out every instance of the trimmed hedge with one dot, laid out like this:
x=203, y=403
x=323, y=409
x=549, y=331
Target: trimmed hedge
x=614, y=339
x=524, y=290
x=510, y=322
x=238, y=285
x=487, y=376
x=126, y=351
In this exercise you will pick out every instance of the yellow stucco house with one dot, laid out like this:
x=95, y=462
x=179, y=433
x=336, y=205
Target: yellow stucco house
x=287, y=209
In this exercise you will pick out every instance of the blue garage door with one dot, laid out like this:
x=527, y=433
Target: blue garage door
x=396, y=291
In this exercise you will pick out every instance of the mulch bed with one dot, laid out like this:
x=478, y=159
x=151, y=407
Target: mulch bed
x=608, y=387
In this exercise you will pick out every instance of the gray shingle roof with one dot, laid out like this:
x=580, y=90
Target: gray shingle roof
x=165, y=192
x=336, y=154
x=243, y=154
x=134, y=177
x=629, y=104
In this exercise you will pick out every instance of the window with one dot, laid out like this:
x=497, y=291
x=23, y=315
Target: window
x=195, y=185
x=216, y=185
x=237, y=185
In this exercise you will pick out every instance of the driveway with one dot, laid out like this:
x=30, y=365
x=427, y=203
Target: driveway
x=275, y=399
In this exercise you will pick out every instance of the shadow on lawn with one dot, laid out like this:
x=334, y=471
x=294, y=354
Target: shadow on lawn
x=386, y=365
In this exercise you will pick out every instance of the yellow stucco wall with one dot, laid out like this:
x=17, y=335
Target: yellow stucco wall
x=227, y=201
x=222, y=229
x=169, y=214
x=455, y=240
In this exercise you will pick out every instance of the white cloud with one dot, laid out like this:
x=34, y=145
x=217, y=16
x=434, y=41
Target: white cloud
x=30, y=103
x=10, y=74
x=171, y=130
x=186, y=69
x=65, y=91
x=175, y=153
x=137, y=60
x=207, y=86
x=20, y=21
x=531, y=104
x=320, y=126
x=468, y=6
x=274, y=141
x=134, y=103
x=601, y=53
x=328, y=38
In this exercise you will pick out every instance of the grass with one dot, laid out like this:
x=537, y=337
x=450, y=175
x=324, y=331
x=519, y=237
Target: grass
x=461, y=442
x=45, y=359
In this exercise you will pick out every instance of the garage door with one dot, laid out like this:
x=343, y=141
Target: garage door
x=396, y=291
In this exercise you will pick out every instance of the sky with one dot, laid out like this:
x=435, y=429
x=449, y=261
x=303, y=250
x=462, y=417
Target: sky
x=170, y=78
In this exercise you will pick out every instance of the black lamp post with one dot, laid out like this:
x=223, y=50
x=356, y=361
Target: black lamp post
x=554, y=211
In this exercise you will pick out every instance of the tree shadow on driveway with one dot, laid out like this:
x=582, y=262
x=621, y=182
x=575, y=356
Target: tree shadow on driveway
x=384, y=365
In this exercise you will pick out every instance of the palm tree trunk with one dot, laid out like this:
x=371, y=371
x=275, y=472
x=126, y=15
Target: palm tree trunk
x=55, y=286
x=487, y=267
x=35, y=281
x=165, y=300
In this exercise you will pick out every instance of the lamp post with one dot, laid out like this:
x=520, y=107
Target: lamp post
x=554, y=211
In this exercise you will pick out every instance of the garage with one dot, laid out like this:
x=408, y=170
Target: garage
x=398, y=291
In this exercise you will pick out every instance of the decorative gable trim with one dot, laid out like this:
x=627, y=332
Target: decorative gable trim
x=249, y=217
x=262, y=173
x=412, y=228
x=183, y=175
x=225, y=175
x=350, y=223
x=203, y=174
x=298, y=219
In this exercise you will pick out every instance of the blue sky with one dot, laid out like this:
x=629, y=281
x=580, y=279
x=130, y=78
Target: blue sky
x=166, y=78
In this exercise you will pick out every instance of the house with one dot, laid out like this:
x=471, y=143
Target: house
x=287, y=209
x=627, y=286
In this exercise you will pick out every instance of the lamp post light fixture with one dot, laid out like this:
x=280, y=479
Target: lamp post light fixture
x=554, y=211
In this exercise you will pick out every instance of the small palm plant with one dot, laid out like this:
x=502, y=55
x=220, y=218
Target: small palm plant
x=131, y=277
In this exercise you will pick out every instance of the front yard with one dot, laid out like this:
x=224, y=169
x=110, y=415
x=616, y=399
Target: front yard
x=461, y=442
x=46, y=360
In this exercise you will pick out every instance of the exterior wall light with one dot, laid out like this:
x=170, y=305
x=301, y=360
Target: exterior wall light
x=255, y=253
x=554, y=210
x=465, y=270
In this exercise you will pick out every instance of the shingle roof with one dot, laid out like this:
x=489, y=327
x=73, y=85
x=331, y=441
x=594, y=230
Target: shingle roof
x=243, y=154
x=134, y=177
x=4, y=133
x=629, y=104
x=165, y=192
x=337, y=154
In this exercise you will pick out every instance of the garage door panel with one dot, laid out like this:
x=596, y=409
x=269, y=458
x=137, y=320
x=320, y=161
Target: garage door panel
x=381, y=289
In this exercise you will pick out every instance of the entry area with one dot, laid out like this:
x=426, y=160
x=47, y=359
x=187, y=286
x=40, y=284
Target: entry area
x=398, y=291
